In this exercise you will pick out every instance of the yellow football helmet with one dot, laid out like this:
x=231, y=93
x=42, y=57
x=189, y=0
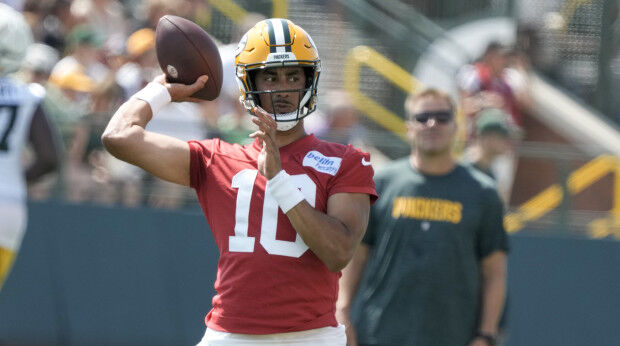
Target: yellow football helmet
x=277, y=42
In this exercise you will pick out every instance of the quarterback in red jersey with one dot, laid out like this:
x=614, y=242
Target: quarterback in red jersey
x=287, y=211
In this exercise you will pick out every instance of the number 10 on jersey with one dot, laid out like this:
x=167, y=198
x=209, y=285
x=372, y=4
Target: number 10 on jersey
x=244, y=181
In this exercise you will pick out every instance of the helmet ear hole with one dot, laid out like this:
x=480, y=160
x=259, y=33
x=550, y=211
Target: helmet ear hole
x=252, y=80
x=309, y=72
x=252, y=87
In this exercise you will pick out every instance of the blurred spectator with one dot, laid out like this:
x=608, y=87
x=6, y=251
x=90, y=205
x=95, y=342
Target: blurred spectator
x=106, y=18
x=73, y=79
x=484, y=84
x=70, y=89
x=492, y=140
x=50, y=21
x=38, y=64
x=70, y=93
x=35, y=69
x=491, y=150
x=433, y=257
x=498, y=80
x=92, y=175
x=22, y=122
x=83, y=49
x=141, y=66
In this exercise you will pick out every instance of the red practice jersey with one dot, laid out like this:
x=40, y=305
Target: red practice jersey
x=268, y=280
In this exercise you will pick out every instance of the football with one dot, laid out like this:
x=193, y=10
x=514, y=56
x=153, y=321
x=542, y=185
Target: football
x=185, y=52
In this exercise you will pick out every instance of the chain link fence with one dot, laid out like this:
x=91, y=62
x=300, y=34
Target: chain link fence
x=572, y=43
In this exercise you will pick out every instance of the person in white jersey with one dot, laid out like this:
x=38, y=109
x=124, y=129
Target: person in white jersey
x=21, y=121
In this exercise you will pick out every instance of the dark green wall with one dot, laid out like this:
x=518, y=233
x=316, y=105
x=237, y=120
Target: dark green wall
x=110, y=276
x=564, y=292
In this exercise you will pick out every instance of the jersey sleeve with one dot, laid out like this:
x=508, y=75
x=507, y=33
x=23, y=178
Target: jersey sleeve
x=492, y=235
x=355, y=175
x=200, y=155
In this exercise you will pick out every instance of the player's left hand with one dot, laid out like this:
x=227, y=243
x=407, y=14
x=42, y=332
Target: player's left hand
x=269, y=158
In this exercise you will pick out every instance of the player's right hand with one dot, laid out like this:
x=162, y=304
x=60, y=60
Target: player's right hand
x=269, y=163
x=182, y=92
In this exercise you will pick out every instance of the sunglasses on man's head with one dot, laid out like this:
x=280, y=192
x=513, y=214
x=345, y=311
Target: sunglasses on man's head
x=440, y=116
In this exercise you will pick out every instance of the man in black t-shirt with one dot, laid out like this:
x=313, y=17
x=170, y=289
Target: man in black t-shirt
x=434, y=256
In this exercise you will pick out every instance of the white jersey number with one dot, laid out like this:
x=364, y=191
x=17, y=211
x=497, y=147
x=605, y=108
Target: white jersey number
x=240, y=242
x=7, y=122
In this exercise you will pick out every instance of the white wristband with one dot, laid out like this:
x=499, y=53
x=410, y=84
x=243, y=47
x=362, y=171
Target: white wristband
x=284, y=191
x=156, y=95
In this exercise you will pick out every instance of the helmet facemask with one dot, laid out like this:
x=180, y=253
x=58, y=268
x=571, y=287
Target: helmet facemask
x=306, y=99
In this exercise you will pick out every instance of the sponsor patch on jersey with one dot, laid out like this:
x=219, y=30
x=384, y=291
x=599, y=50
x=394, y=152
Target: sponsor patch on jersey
x=322, y=163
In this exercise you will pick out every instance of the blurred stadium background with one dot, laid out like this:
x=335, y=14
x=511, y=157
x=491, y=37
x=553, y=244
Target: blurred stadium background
x=113, y=256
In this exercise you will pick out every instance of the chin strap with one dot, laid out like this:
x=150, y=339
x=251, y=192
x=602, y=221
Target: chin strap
x=285, y=125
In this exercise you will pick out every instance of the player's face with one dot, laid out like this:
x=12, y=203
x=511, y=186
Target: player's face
x=431, y=126
x=280, y=78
